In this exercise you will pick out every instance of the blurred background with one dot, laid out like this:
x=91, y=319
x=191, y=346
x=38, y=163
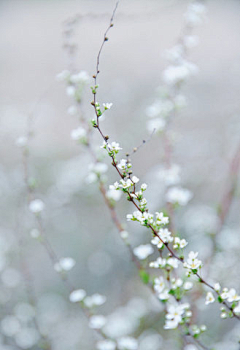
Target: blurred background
x=75, y=219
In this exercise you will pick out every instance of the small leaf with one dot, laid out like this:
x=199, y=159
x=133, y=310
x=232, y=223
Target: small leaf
x=144, y=276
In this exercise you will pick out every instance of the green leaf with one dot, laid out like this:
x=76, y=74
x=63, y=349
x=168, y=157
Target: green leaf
x=144, y=276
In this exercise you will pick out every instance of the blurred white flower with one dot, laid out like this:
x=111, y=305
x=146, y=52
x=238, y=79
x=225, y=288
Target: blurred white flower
x=94, y=300
x=157, y=124
x=78, y=134
x=173, y=75
x=114, y=194
x=124, y=234
x=127, y=343
x=24, y=312
x=35, y=233
x=178, y=195
x=80, y=78
x=62, y=76
x=70, y=90
x=97, y=321
x=106, y=345
x=171, y=175
x=64, y=264
x=36, y=206
x=77, y=295
x=72, y=110
x=187, y=285
x=190, y=41
x=143, y=251
x=190, y=347
x=98, y=168
x=27, y=337
x=10, y=326
x=21, y=141
x=11, y=277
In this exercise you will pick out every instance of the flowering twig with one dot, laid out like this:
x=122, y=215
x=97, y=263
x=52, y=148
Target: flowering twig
x=127, y=183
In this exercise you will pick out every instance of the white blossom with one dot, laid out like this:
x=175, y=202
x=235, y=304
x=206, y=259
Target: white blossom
x=70, y=90
x=36, y=206
x=173, y=262
x=187, y=285
x=115, y=186
x=143, y=251
x=10, y=325
x=127, y=343
x=113, y=146
x=195, y=13
x=62, y=76
x=97, y=321
x=107, y=105
x=124, y=234
x=160, y=108
x=225, y=293
x=209, y=298
x=190, y=41
x=165, y=235
x=159, y=284
x=114, y=194
x=171, y=175
x=179, y=243
x=156, y=241
x=176, y=282
x=21, y=141
x=80, y=78
x=160, y=262
x=77, y=295
x=123, y=164
x=94, y=300
x=106, y=345
x=72, y=110
x=135, y=179
x=161, y=219
x=192, y=262
x=78, y=134
x=34, y=233
x=175, y=74
x=157, y=124
x=233, y=296
x=178, y=195
x=175, y=313
x=98, y=168
x=125, y=184
x=143, y=218
x=164, y=295
x=64, y=264
x=217, y=287
x=237, y=308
